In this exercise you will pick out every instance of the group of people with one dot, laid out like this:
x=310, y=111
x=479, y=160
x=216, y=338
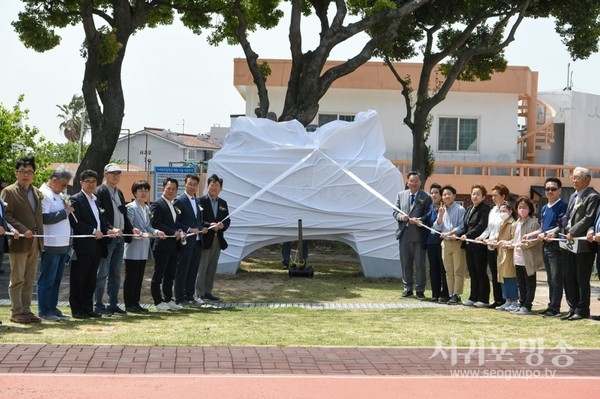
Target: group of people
x=95, y=231
x=505, y=239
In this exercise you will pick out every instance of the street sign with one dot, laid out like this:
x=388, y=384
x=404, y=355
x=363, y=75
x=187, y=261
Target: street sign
x=177, y=173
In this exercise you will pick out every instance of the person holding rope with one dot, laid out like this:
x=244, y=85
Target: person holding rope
x=216, y=217
x=112, y=200
x=56, y=209
x=450, y=224
x=190, y=221
x=551, y=214
x=500, y=194
x=166, y=249
x=527, y=255
x=415, y=206
x=578, y=263
x=136, y=251
x=475, y=224
x=89, y=244
x=437, y=274
x=23, y=210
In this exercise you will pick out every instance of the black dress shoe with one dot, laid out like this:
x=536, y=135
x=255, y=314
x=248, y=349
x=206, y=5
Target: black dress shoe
x=568, y=316
x=142, y=309
x=94, y=314
x=420, y=295
x=407, y=294
x=80, y=316
x=117, y=311
x=132, y=309
x=211, y=297
x=495, y=304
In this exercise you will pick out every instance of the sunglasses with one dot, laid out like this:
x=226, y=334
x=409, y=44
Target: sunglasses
x=550, y=189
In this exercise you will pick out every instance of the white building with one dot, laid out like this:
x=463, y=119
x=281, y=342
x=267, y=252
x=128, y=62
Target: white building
x=494, y=131
x=159, y=147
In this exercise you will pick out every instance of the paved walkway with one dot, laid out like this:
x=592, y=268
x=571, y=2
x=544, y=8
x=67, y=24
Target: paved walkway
x=102, y=359
x=70, y=371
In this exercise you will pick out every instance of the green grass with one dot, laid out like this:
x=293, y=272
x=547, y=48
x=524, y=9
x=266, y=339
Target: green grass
x=337, y=279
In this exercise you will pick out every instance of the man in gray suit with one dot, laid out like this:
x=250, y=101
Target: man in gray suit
x=415, y=205
x=577, y=266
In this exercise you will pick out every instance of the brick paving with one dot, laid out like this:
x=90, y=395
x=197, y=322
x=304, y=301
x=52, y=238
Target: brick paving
x=295, y=361
x=271, y=360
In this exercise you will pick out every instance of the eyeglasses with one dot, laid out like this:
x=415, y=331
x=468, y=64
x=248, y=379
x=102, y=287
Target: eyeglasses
x=90, y=181
x=553, y=189
x=25, y=172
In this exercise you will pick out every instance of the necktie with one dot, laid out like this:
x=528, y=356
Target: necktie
x=412, y=199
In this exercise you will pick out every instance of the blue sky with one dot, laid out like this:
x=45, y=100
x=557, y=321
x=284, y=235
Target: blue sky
x=173, y=79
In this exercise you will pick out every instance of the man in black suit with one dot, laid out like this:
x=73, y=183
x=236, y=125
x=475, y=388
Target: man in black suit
x=216, y=217
x=190, y=222
x=165, y=250
x=87, y=220
x=577, y=266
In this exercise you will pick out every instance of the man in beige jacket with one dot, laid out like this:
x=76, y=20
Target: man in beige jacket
x=24, y=212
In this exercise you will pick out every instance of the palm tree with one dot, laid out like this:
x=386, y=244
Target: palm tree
x=71, y=116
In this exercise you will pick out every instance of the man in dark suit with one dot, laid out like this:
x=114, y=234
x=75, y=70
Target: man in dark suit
x=190, y=222
x=87, y=220
x=216, y=217
x=415, y=205
x=24, y=212
x=165, y=250
x=577, y=266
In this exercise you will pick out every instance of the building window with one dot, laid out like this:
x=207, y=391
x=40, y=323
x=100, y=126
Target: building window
x=326, y=118
x=458, y=134
x=190, y=155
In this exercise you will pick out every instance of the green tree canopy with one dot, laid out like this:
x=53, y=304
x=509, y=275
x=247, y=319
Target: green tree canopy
x=17, y=140
x=338, y=20
x=107, y=26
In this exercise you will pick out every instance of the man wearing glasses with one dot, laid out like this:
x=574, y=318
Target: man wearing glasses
x=24, y=212
x=89, y=247
x=550, y=216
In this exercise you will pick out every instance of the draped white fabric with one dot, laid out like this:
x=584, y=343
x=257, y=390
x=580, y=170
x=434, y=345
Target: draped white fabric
x=335, y=179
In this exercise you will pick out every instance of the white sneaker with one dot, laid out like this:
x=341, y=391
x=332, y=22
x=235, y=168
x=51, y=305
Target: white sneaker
x=162, y=307
x=196, y=303
x=505, y=306
x=514, y=309
x=173, y=306
x=523, y=311
x=480, y=304
x=468, y=302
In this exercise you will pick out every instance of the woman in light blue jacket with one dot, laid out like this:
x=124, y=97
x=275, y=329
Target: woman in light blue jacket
x=137, y=251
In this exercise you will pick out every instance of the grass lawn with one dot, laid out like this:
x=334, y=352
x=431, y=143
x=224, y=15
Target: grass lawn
x=337, y=279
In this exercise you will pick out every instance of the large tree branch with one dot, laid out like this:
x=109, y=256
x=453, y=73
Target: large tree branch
x=406, y=90
x=252, y=60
